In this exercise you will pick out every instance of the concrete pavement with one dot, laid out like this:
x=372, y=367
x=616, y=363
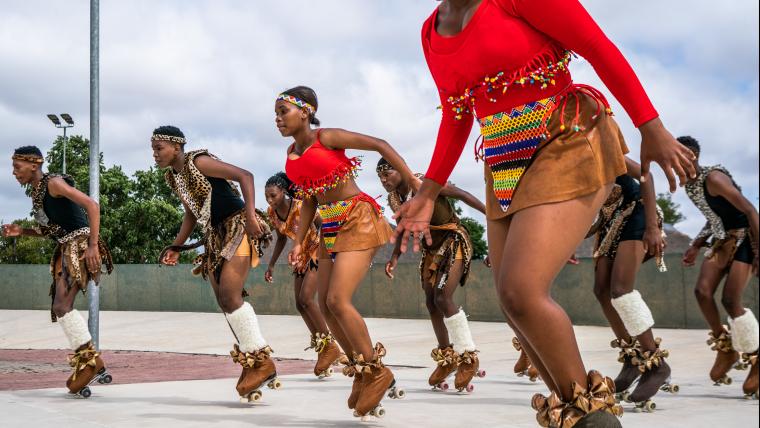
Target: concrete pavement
x=500, y=399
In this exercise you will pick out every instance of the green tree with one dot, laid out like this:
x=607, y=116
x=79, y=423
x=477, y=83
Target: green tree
x=139, y=215
x=671, y=210
x=475, y=229
x=25, y=249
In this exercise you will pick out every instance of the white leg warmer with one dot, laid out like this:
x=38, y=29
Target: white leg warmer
x=75, y=329
x=459, y=332
x=246, y=327
x=636, y=316
x=744, y=332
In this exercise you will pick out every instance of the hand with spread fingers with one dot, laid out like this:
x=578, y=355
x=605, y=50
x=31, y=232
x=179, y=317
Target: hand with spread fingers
x=11, y=230
x=658, y=145
x=171, y=258
x=91, y=256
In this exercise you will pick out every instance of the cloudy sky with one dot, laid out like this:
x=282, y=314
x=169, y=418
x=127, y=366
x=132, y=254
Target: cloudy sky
x=213, y=68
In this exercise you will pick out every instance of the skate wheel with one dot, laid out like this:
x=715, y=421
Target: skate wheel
x=533, y=378
x=674, y=389
x=107, y=379
x=85, y=392
x=275, y=384
x=445, y=386
x=520, y=374
x=400, y=393
x=481, y=373
x=625, y=395
x=470, y=388
x=254, y=396
x=378, y=412
x=649, y=406
x=329, y=371
x=727, y=380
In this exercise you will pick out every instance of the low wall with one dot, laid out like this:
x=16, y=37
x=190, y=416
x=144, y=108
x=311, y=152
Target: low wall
x=153, y=288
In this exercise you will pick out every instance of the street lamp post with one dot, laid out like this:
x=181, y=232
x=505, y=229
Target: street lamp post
x=57, y=122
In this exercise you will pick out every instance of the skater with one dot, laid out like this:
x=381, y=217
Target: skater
x=353, y=228
x=731, y=235
x=233, y=235
x=629, y=232
x=506, y=62
x=445, y=265
x=284, y=214
x=72, y=219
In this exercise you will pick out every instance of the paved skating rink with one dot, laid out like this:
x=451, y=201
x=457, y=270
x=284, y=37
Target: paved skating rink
x=500, y=399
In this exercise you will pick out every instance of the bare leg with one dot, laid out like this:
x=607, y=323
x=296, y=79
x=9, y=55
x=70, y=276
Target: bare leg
x=348, y=271
x=323, y=282
x=436, y=317
x=709, y=279
x=444, y=296
x=306, y=289
x=63, y=303
x=497, y=231
x=736, y=282
x=602, y=279
x=539, y=242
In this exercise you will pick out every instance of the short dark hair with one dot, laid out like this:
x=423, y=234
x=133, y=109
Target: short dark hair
x=690, y=142
x=169, y=130
x=28, y=150
x=307, y=94
x=282, y=181
x=383, y=162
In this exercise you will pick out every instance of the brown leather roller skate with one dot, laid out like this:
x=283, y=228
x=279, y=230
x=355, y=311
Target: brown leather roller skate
x=88, y=368
x=467, y=368
x=446, y=363
x=258, y=369
x=750, y=385
x=377, y=381
x=725, y=359
x=328, y=353
x=593, y=406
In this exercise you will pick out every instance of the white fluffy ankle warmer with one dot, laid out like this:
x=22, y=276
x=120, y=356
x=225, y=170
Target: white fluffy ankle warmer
x=459, y=332
x=75, y=329
x=634, y=312
x=744, y=332
x=245, y=325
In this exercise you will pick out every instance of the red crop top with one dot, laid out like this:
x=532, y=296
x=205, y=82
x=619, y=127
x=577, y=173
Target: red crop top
x=319, y=169
x=513, y=52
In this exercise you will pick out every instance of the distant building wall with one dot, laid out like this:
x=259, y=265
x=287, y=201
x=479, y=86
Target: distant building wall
x=153, y=288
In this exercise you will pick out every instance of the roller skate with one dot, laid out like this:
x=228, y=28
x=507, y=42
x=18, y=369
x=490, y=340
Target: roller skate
x=88, y=368
x=593, y=406
x=628, y=373
x=445, y=360
x=328, y=353
x=725, y=359
x=258, y=369
x=655, y=376
x=750, y=385
x=376, y=381
x=351, y=370
x=467, y=368
x=523, y=366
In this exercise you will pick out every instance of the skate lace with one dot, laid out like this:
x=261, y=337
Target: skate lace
x=363, y=366
x=312, y=344
x=516, y=343
x=467, y=357
x=81, y=359
x=443, y=357
x=648, y=360
x=321, y=341
x=627, y=349
x=250, y=359
x=722, y=343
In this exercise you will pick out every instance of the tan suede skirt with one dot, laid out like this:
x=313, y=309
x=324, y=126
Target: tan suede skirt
x=569, y=164
x=363, y=227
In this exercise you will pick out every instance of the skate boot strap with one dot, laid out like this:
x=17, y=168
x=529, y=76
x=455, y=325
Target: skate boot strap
x=648, y=360
x=443, y=357
x=81, y=359
x=321, y=341
x=467, y=357
x=722, y=343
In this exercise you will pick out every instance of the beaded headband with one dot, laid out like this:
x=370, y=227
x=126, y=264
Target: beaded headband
x=28, y=158
x=170, y=138
x=384, y=167
x=297, y=102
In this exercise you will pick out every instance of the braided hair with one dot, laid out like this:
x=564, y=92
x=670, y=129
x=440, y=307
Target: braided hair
x=282, y=181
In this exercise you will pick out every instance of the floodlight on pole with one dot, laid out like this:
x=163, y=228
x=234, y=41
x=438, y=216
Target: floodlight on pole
x=57, y=122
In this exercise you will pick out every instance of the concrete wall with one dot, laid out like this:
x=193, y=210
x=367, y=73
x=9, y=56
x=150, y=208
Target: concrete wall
x=154, y=288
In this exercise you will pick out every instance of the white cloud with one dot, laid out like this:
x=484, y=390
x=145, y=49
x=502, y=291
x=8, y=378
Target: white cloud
x=214, y=67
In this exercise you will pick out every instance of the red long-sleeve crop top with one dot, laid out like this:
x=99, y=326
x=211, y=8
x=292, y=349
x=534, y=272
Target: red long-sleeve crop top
x=513, y=52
